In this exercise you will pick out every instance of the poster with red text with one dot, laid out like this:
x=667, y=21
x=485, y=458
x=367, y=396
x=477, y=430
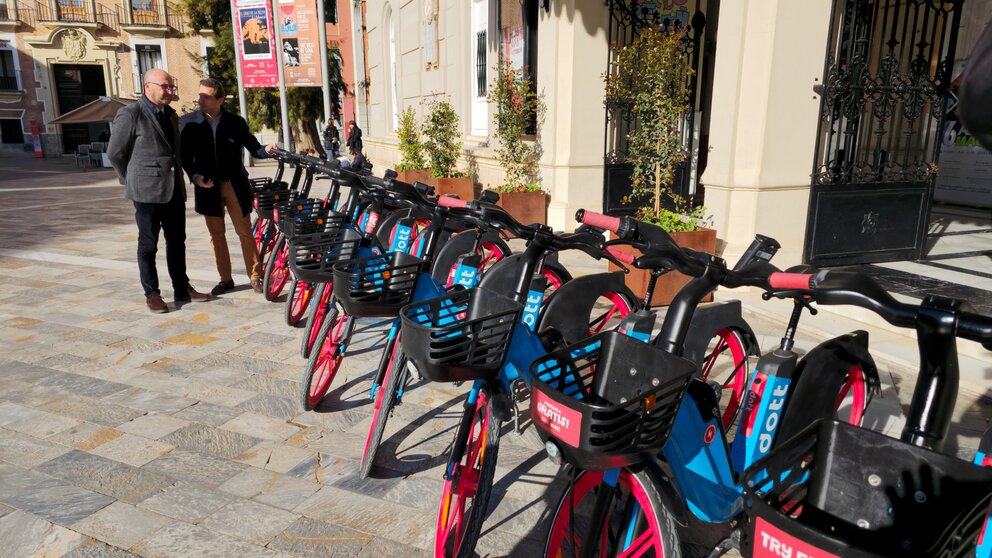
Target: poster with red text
x=255, y=40
x=300, y=49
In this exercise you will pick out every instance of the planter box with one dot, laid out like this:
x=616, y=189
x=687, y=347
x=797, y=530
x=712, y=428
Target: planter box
x=526, y=207
x=415, y=175
x=463, y=187
x=703, y=240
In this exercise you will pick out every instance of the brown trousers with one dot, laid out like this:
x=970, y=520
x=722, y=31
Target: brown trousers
x=242, y=226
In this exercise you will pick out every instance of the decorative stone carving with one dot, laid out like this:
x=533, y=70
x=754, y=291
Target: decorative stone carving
x=74, y=44
x=430, y=34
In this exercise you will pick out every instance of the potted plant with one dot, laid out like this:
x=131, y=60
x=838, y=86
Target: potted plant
x=650, y=76
x=517, y=105
x=443, y=145
x=412, y=167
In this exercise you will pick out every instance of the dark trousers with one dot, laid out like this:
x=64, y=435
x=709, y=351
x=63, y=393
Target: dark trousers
x=170, y=218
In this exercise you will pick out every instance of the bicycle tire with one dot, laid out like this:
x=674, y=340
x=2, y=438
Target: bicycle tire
x=659, y=528
x=325, y=359
x=385, y=399
x=276, y=270
x=316, y=319
x=483, y=437
x=297, y=302
x=857, y=385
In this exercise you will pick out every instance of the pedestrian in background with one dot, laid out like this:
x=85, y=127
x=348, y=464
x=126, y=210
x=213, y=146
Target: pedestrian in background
x=354, y=137
x=144, y=151
x=332, y=140
x=213, y=141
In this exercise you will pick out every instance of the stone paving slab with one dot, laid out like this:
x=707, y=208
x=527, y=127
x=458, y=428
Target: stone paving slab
x=125, y=434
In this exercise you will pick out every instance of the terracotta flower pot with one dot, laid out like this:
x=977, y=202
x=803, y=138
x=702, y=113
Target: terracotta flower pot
x=415, y=175
x=703, y=240
x=526, y=207
x=463, y=187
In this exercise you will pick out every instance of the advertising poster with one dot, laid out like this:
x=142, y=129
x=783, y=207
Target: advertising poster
x=965, y=168
x=300, y=43
x=253, y=25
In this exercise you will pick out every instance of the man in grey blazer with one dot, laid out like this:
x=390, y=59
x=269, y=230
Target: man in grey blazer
x=144, y=150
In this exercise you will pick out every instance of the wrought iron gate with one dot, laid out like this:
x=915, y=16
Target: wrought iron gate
x=887, y=69
x=627, y=19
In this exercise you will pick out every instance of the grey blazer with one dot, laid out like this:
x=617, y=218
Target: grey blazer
x=147, y=167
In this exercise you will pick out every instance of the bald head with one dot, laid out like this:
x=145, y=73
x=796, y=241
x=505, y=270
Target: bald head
x=159, y=87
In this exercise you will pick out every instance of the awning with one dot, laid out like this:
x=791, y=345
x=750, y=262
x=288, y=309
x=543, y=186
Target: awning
x=103, y=109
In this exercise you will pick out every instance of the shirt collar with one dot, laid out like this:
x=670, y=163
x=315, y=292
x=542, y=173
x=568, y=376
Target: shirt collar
x=151, y=105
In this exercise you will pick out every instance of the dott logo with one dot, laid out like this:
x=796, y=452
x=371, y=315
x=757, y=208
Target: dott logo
x=402, y=241
x=531, y=308
x=771, y=421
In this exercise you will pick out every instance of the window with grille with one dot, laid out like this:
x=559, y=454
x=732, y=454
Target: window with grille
x=480, y=63
x=8, y=76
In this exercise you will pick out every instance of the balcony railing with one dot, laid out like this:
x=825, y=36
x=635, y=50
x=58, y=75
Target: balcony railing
x=6, y=14
x=74, y=11
x=9, y=82
x=146, y=12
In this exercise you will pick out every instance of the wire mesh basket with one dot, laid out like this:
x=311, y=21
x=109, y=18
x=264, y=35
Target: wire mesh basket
x=312, y=256
x=377, y=286
x=268, y=195
x=462, y=336
x=839, y=490
x=608, y=401
x=305, y=216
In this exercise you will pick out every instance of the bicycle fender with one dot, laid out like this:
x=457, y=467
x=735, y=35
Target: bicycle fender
x=503, y=276
x=457, y=245
x=551, y=263
x=711, y=318
x=818, y=377
x=568, y=308
x=670, y=497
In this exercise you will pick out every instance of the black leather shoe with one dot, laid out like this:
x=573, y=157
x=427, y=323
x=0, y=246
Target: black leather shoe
x=221, y=288
x=156, y=304
x=191, y=294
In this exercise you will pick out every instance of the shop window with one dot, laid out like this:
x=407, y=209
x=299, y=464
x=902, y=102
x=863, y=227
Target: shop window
x=11, y=130
x=149, y=56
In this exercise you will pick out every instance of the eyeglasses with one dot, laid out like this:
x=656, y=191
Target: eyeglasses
x=164, y=86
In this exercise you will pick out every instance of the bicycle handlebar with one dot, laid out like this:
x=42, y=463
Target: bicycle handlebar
x=598, y=220
x=619, y=255
x=449, y=201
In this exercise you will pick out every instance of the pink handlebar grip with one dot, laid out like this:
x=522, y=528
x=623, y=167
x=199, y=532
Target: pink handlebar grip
x=799, y=281
x=600, y=221
x=620, y=255
x=448, y=201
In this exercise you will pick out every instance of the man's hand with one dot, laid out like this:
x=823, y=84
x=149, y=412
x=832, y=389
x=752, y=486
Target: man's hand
x=271, y=147
x=203, y=183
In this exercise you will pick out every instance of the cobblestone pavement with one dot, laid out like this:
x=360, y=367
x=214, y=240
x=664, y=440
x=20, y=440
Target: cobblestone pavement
x=125, y=433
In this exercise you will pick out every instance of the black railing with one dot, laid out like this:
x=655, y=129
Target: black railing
x=5, y=14
x=8, y=83
x=144, y=12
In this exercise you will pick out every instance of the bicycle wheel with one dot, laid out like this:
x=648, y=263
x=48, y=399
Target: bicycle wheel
x=610, y=309
x=853, y=397
x=726, y=363
x=276, y=270
x=321, y=302
x=465, y=499
x=638, y=522
x=297, y=302
x=325, y=359
x=385, y=398
x=258, y=229
x=267, y=241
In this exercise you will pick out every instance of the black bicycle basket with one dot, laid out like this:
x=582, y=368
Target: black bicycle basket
x=608, y=401
x=839, y=490
x=267, y=196
x=312, y=256
x=305, y=216
x=462, y=336
x=259, y=183
x=377, y=286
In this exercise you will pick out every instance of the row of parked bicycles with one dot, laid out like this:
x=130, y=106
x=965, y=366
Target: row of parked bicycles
x=675, y=432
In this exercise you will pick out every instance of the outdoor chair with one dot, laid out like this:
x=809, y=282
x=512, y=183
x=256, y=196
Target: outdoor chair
x=83, y=155
x=96, y=154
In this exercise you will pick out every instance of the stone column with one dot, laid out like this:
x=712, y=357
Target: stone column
x=769, y=56
x=572, y=55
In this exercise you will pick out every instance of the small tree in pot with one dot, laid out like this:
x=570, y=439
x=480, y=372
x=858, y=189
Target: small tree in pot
x=443, y=145
x=517, y=106
x=651, y=77
x=412, y=166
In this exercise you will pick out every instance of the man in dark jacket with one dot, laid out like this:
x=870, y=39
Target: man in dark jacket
x=144, y=151
x=212, y=144
x=354, y=137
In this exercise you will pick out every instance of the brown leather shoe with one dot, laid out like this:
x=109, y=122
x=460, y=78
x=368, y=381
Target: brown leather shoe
x=256, y=285
x=191, y=294
x=156, y=304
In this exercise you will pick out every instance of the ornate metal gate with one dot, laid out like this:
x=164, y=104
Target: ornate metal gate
x=627, y=19
x=887, y=70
